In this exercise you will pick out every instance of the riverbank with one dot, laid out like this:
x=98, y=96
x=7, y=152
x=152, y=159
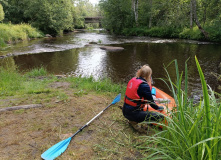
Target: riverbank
x=14, y=33
x=67, y=104
x=167, y=32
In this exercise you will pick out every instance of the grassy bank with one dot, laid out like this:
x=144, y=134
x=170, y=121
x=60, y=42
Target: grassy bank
x=37, y=81
x=68, y=104
x=193, y=131
x=10, y=33
x=167, y=32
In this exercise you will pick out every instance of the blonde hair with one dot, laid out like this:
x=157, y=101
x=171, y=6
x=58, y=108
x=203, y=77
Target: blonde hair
x=145, y=72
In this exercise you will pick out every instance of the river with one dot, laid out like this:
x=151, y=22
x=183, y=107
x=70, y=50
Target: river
x=72, y=54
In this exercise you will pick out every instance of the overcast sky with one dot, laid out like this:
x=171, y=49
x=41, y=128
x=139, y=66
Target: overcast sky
x=94, y=1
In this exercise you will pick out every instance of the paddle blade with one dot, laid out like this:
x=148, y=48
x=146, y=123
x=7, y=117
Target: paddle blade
x=56, y=150
x=117, y=99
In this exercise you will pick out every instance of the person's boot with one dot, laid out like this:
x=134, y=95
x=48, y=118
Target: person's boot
x=137, y=127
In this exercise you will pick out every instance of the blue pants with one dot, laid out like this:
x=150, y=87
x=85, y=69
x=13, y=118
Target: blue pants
x=137, y=115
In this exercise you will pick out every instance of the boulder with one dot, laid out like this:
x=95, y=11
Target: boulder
x=48, y=35
x=111, y=48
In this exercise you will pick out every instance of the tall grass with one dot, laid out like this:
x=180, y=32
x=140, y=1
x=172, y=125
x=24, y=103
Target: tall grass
x=41, y=71
x=13, y=33
x=9, y=82
x=193, y=131
x=14, y=83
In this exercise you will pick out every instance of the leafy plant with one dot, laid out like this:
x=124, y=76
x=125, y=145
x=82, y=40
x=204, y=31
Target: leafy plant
x=193, y=131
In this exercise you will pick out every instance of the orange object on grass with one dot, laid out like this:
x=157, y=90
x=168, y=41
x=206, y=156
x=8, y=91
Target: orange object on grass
x=165, y=100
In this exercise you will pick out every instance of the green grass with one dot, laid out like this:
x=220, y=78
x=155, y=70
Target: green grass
x=14, y=83
x=193, y=131
x=36, y=81
x=12, y=33
x=89, y=84
x=37, y=72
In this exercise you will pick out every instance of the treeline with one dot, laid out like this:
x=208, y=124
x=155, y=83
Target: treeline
x=189, y=19
x=49, y=16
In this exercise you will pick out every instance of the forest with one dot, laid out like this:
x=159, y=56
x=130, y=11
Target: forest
x=49, y=16
x=186, y=19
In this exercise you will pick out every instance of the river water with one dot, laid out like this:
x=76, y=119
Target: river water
x=73, y=54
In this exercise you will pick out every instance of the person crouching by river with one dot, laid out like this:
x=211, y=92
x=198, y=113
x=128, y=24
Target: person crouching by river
x=138, y=93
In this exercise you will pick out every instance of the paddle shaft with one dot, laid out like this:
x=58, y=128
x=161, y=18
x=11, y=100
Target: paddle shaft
x=90, y=121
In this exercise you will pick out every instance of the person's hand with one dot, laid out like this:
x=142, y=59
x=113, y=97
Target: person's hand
x=160, y=108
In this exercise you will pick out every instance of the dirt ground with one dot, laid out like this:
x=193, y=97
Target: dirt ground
x=26, y=134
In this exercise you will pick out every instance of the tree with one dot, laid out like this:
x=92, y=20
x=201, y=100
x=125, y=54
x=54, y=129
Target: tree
x=117, y=15
x=197, y=21
x=14, y=10
x=135, y=9
x=150, y=19
x=2, y=14
x=50, y=16
x=191, y=14
x=83, y=8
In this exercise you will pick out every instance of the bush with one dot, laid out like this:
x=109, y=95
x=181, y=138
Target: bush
x=193, y=33
x=135, y=31
x=214, y=31
x=12, y=33
x=2, y=14
x=168, y=32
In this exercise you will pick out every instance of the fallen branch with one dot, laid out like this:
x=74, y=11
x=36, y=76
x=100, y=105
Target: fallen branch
x=21, y=107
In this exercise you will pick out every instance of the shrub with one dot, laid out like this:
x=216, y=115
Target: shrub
x=193, y=33
x=12, y=33
x=2, y=14
x=168, y=32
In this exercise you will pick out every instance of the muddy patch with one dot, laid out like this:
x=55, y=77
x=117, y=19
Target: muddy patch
x=60, y=85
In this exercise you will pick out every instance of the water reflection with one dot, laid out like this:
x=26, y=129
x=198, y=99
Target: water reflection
x=92, y=62
x=55, y=62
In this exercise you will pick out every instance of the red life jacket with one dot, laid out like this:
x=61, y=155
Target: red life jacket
x=131, y=93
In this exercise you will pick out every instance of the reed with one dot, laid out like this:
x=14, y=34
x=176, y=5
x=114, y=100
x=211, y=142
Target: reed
x=193, y=131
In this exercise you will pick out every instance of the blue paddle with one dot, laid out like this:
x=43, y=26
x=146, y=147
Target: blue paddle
x=57, y=149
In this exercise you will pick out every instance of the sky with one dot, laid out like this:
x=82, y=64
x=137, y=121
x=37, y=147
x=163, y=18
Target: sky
x=94, y=1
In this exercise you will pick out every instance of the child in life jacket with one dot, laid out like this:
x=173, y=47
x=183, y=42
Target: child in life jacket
x=138, y=93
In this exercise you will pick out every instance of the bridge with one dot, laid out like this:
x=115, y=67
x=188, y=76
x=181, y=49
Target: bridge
x=92, y=19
